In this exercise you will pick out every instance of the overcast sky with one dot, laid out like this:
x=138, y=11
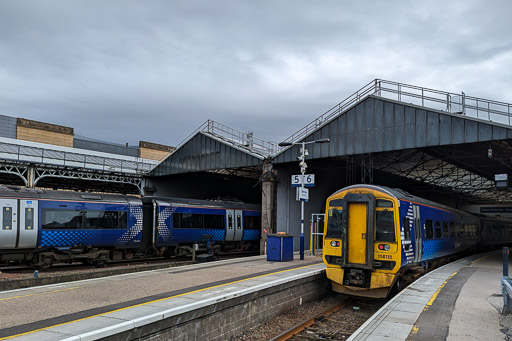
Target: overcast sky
x=124, y=71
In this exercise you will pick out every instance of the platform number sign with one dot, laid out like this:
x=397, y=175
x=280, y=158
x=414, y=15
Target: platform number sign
x=309, y=180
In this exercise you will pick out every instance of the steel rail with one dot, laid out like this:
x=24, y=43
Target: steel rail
x=307, y=323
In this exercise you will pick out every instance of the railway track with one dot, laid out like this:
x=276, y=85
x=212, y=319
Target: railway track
x=335, y=323
x=175, y=261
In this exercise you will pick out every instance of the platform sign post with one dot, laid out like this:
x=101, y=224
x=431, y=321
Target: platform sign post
x=303, y=193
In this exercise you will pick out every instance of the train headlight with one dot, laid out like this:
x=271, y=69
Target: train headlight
x=384, y=247
x=335, y=243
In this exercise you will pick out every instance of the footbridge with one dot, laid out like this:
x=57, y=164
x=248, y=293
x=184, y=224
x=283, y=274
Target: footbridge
x=33, y=164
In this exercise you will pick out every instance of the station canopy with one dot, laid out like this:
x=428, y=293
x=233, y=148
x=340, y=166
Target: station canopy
x=422, y=140
x=428, y=140
x=216, y=148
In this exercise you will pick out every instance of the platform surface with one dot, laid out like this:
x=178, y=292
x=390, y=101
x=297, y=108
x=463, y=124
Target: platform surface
x=99, y=307
x=459, y=301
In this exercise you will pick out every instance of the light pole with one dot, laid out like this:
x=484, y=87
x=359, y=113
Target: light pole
x=303, y=167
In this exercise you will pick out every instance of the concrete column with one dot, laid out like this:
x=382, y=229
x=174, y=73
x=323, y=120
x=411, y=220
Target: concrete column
x=268, y=180
x=31, y=176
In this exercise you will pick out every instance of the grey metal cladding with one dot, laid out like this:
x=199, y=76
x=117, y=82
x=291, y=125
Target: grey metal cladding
x=105, y=147
x=389, y=114
x=421, y=128
x=324, y=147
x=445, y=129
x=470, y=131
x=8, y=126
x=432, y=128
x=499, y=133
x=388, y=139
x=484, y=132
x=377, y=124
x=457, y=130
x=203, y=153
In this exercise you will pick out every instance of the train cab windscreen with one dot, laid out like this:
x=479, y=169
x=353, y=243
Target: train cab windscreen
x=334, y=223
x=385, y=227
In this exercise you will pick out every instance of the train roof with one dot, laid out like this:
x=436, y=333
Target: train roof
x=32, y=193
x=400, y=194
x=204, y=203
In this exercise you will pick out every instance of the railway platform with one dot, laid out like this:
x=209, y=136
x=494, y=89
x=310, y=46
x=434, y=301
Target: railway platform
x=213, y=301
x=459, y=301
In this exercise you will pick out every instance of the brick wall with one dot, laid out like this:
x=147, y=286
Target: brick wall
x=44, y=132
x=229, y=319
x=154, y=151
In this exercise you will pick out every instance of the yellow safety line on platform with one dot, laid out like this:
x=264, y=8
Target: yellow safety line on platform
x=433, y=298
x=159, y=300
x=413, y=332
x=479, y=259
x=39, y=293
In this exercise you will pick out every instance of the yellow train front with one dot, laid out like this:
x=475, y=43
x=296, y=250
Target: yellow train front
x=377, y=238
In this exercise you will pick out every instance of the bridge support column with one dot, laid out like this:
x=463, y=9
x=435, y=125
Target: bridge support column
x=31, y=176
x=268, y=181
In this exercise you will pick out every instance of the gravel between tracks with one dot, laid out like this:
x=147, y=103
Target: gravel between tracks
x=338, y=326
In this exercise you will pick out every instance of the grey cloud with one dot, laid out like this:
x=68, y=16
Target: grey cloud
x=135, y=70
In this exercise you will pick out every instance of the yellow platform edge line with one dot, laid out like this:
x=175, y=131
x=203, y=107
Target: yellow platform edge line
x=159, y=300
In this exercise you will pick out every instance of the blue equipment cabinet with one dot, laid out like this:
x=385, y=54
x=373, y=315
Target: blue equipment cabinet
x=279, y=247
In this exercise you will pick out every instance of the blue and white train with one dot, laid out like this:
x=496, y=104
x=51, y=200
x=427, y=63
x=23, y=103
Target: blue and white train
x=377, y=237
x=41, y=227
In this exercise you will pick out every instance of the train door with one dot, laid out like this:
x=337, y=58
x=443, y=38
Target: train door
x=418, y=242
x=357, y=250
x=28, y=224
x=9, y=227
x=356, y=239
x=230, y=225
x=239, y=225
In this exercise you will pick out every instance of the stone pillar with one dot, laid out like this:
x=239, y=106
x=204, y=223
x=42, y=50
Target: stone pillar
x=31, y=176
x=268, y=181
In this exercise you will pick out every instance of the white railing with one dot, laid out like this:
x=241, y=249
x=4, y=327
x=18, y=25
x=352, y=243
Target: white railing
x=18, y=150
x=245, y=140
x=479, y=108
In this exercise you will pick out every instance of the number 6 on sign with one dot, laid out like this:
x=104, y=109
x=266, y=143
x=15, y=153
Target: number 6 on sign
x=309, y=180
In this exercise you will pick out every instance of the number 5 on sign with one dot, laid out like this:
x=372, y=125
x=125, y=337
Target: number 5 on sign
x=309, y=180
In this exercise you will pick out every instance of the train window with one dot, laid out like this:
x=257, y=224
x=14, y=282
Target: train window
x=452, y=229
x=336, y=203
x=213, y=221
x=385, y=226
x=252, y=222
x=188, y=221
x=334, y=223
x=458, y=229
x=104, y=220
x=29, y=218
x=7, y=218
x=429, y=231
x=446, y=232
x=407, y=229
x=61, y=219
x=384, y=203
x=438, y=230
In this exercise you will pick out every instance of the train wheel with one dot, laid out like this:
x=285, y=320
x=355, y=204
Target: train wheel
x=42, y=262
x=100, y=263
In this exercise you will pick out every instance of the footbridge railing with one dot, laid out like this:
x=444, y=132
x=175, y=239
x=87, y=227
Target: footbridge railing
x=20, y=151
x=475, y=107
x=245, y=140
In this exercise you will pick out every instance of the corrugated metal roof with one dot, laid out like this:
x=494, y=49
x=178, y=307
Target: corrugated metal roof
x=378, y=124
